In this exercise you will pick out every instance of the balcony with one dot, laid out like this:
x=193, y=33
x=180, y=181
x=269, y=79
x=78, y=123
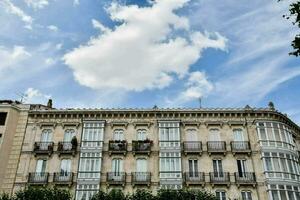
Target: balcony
x=116, y=178
x=141, y=178
x=192, y=148
x=245, y=178
x=66, y=148
x=194, y=178
x=43, y=148
x=240, y=147
x=63, y=178
x=218, y=147
x=141, y=147
x=38, y=178
x=117, y=147
x=219, y=178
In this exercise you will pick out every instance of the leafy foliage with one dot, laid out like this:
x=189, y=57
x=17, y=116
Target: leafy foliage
x=295, y=15
x=161, y=195
x=32, y=193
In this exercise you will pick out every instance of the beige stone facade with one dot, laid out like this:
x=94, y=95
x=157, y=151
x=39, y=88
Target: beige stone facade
x=238, y=153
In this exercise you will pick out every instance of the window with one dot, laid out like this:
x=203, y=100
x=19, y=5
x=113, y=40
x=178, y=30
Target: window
x=218, y=168
x=119, y=134
x=241, y=164
x=193, y=168
x=169, y=134
x=221, y=195
x=46, y=135
x=86, y=191
x=141, y=165
x=2, y=118
x=246, y=195
x=191, y=135
x=117, y=167
x=65, y=167
x=238, y=135
x=89, y=165
x=170, y=165
x=69, y=134
x=214, y=135
x=92, y=134
x=141, y=134
x=40, y=166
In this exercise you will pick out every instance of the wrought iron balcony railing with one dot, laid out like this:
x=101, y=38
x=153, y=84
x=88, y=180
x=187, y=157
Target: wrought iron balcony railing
x=63, y=178
x=116, y=178
x=192, y=147
x=240, y=147
x=141, y=146
x=219, y=178
x=66, y=148
x=117, y=146
x=43, y=148
x=141, y=178
x=216, y=147
x=194, y=178
x=38, y=178
x=245, y=178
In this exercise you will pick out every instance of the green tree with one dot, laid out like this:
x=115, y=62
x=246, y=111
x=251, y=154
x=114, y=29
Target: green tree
x=4, y=197
x=295, y=16
x=39, y=193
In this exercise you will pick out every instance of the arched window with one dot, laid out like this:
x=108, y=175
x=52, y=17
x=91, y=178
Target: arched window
x=118, y=134
x=65, y=167
x=214, y=135
x=141, y=134
x=46, y=135
x=69, y=134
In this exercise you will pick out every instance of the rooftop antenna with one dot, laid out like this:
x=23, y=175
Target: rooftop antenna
x=22, y=96
x=200, y=102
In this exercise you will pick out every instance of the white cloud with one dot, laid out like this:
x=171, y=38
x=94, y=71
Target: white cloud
x=37, y=4
x=197, y=86
x=35, y=96
x=11, y=8
x=52, y=28
x=50, y=61
x=76, y=2
x=98, y=25
x=144, y=51
x=11, y=57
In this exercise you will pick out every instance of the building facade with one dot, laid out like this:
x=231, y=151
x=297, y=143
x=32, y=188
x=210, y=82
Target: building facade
x=247, y=153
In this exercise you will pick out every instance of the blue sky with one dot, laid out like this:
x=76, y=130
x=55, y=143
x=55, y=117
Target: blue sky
x=140, y=53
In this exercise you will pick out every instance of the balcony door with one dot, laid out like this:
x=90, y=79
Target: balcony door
x=69, y=134
x=41, y=167
x=141, y=169
x=238, y=135
x=242, y=167
x=117, y=169
x=214, y=135
x=192, y=139
x=218, y=169
x=119, y=134
x=141, y=134
x=46, y=137
x=65, y=167
x=193, y=168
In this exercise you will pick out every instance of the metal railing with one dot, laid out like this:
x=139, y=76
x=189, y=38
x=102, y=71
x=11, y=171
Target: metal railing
x=66, y=147
x=43, y=147
x=38, y=178
x=141, y=177
x=245, y=177
x=192, y=147
x=116, y=178
x=240, y=146
x=141, y=146
x=219, y=177
x=63, y=177
x=216, y=146
x=194, y=177
x=117, y=146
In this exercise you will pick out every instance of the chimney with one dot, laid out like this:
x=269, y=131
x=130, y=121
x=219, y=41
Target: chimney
x=49, y=104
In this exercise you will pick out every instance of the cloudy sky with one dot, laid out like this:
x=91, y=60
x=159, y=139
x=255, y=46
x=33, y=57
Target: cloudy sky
x=140, y=53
